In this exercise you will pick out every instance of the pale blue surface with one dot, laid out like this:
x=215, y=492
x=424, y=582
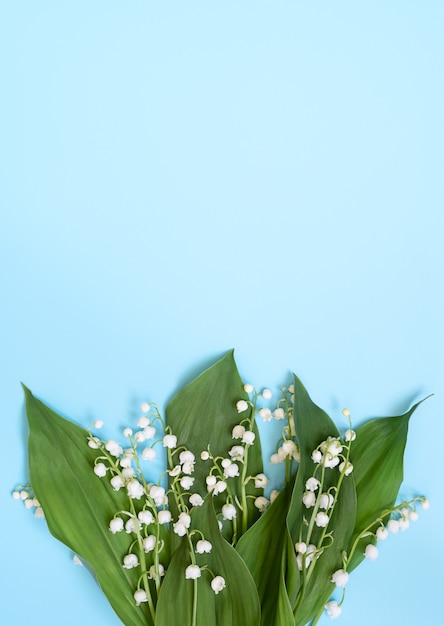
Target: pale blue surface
x=181, y=178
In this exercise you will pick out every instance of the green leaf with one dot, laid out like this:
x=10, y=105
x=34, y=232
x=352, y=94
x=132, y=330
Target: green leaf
x=203, y=414
x=377, y=456
x=268, y=552
x=236, y=605
x=78, y=505
x=312, y=426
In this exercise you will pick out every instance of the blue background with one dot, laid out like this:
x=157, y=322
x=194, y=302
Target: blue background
x=182, y=178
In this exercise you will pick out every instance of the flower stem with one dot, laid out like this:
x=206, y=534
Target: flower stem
x=143, y=565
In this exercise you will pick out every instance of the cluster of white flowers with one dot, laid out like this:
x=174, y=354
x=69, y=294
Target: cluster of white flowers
x=147, y=501
x=25, y=494
x=320, y=496
x=305, y=554
x=233, y=466
x=333, y=609
x=329, y=453
x=287, y=451
x=148, y=509
x=180, y=483
x=400, y=517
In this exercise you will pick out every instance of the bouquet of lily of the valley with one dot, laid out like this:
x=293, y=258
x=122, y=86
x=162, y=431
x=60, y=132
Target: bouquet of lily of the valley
x=203, y=545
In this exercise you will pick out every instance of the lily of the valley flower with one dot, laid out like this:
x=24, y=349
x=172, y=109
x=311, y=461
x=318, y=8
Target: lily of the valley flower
x=185, y=519
x=188, y=467
x=116, y=525
x=217, y=584
x=279, y=413
x=265, y=414
x=238, y=431
x=175, y=471
x=330, y=449
x=289, y=448
x=186, y=456
x=316, y=456
x=126, y=461
x=229, y=511
x=261, y=503
x=132, y=526
x=404, y=523
x=100, y=470
x=157, y=493
x=192, y=572
x=196, y=499
x=153, y=571
x=326, y=501
x=248, y=437
x=143, y=421
x=312, y=484
x=211, y=482
x=321, y=520
x=340, y=578
x=349, y=435
x=164, y=516
x=135, y=489
x=203, y=546
x=371, y=552
x=382, y=533
x=278, y=457
x=393, y=526
x=260, y=481
x=309, y=499
x=128, y=472
x=148, y=454
x=186, y=482
x=149, y=432
x=237, y=453
x=183, y=523
x=140, y=596
x=241, y=406
x=169, y=441
x=130, y=561
x=346, y=467
x=333, y=609
x=149, y=543
x=114, y=448
x=219, y=487
x=231, y=470
x=146, y=517
x=309, y=552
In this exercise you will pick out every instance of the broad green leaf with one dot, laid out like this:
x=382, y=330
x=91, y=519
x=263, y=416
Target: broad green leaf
x=203, y=414
x=236, y=605
x=78, y=505
x=312, y=426
x=268, y=552
x=377, y=456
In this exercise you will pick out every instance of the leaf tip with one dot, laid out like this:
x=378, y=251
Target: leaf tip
x=26, y=390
